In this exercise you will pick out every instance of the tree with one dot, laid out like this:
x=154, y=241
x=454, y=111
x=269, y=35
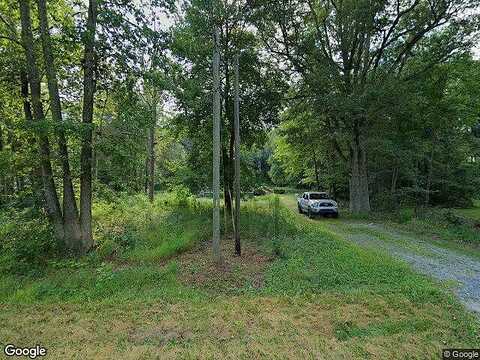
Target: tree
x=87, y=118
x=49, y=189
x=72, y=233
x=344, y=50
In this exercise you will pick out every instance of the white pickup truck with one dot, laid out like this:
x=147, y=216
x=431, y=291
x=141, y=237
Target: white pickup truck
x=317, y=203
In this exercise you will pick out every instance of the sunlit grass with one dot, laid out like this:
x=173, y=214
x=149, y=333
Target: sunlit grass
x=473, y=213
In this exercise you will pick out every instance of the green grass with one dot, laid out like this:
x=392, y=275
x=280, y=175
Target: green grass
x=472, y=213
x=135, y=230
x=446, y=228
x=151, y=290
x=95, y=284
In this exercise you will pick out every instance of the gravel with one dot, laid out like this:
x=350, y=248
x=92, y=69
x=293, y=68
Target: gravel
x=438, y=262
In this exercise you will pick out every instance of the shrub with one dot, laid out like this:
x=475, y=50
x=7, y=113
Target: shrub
x=26, y=243
x=132, y=228
x=180, y=195
x=444, y=223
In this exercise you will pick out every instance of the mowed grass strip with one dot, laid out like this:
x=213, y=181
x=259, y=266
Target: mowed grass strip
x=321, y=326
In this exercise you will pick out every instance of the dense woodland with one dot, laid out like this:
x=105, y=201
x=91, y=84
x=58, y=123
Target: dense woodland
x=376, y=102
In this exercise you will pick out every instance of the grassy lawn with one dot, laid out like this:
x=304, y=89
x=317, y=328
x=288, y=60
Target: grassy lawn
x=299, y=291
x=473, y=213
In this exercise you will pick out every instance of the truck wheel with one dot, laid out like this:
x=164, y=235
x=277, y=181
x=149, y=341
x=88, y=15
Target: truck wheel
x=335, y=216
x=300, y=209
x=310, y=214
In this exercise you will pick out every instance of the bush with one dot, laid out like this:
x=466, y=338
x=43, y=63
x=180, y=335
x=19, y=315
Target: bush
x=443, y=223
x=26, y=243
x=385, y=201
x=180, y=195
x=133, y=229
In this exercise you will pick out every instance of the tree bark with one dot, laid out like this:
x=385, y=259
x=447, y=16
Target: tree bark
x=315, y=166
x=36, y=174
x=429, y=176
x=216, y=149
x=27, y=109
x=145, y=173
x=73, y=235
x=87, y=119
x=50, y=193
x=393, y=186
x=359, y=192
x=236, y=226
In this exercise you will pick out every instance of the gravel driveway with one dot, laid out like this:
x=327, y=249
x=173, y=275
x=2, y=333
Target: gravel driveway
x=442, y=264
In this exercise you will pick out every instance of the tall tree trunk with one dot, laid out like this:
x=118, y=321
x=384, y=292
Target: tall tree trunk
x=315, y=167
x=216, y=149
x=393, y=186
x=27, y=110
x=228, y=126
x=87, y=119
x=72, y=236
x=36, y=174
x=49, y=190
x=145, y=173
x=151, y=155
x=359, y=192
x=429, y=176
x=236, y=226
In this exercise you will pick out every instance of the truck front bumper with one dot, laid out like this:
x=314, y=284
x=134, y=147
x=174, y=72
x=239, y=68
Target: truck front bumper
x=324, y=211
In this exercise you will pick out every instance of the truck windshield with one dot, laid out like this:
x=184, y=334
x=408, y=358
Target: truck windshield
x=318, y=196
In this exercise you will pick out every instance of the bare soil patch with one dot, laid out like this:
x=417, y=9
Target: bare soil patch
x=198, y=269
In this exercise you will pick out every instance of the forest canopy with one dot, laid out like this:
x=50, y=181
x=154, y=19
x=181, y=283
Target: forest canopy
x=375, y=102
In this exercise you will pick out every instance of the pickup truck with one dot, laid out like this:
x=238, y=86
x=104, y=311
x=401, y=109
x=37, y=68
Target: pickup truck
x=317, y=203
